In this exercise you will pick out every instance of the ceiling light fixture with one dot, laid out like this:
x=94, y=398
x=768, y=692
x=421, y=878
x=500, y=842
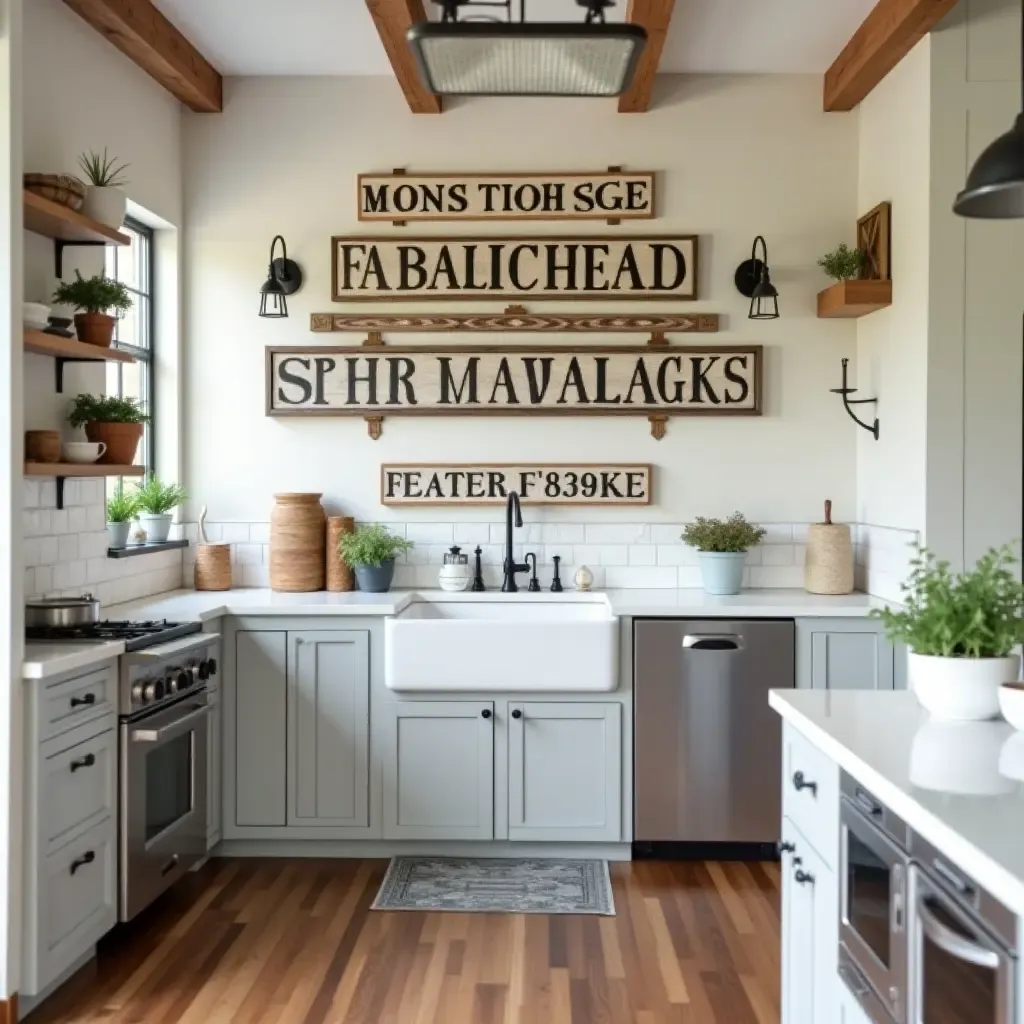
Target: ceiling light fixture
x=284, y=277
x=484, y=56
x=995, y=184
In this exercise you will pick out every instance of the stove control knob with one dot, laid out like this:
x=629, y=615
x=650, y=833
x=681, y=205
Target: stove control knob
x=153, y=690
x=204, y=670
x=212, y=664
x=171, y=684
x=193, y=672
x=184, y=680
x=138, y=696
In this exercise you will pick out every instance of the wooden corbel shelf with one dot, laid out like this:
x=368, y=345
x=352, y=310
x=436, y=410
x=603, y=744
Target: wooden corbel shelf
x=850, y=299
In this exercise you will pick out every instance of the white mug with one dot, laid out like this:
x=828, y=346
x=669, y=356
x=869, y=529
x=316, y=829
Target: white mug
x=83, y=451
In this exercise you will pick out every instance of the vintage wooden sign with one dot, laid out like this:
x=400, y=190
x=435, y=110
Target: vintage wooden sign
x=513, y=319
x=469, y=483
x=601, y=195
x=591, y=380
x=621, y=267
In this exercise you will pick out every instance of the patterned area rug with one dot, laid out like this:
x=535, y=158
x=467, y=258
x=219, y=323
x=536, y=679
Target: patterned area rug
x=497, y=886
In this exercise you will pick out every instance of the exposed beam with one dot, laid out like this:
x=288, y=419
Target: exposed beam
x=393, y=19
x=141, y=32
x=887, y=35
x=654, y=15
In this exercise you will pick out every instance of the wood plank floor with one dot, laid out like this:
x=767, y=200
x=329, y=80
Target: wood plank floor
x=295, y=942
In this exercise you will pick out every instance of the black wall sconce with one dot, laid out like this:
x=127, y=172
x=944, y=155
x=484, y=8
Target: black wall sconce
x=871, y=428
x=284, y=278
x=754, y=281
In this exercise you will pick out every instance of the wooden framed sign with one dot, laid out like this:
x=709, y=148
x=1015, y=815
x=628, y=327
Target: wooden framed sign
x=620, y=267
x=453, y=380
x=470, y=483
x=513, y=320
x=599, y=195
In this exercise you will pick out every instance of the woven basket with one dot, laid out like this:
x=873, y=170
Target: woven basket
x=340, y=578
x=64, y=189
x=297, y=543
x=213, y=567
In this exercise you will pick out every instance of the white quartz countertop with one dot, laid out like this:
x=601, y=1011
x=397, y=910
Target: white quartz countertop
x=42, y=661
x=958, y=784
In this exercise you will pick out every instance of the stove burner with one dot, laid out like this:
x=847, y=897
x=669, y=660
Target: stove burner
x=136, y=635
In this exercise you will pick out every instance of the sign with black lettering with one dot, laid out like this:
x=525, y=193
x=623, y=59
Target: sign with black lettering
x=591, y=380
x=588, y=196
x=473, y=483
x=395, y=268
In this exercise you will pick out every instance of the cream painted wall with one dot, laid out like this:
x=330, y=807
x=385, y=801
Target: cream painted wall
x=739, y=156
x=892, y=344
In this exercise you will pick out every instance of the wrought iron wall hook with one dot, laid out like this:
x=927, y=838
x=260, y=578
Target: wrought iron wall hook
x=871, y=428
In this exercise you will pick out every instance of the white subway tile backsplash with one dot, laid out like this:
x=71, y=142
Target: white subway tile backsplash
x=42, y=582
x=676, y=554
x=774, y=576
x=643, y=554
x=638, y=577
x=58, y=521
x=666, y=533
x=234, y=533
x=259, y=533
x=614, y=554
x=778, y=533
x=570, y=533
x=617, y=533
x=586, y=554
x=472, y=533
x=777, y=554
x=78, y=518
x=689, y=576
x=67, y=547
x=429, y=533
x=247, y=554
x=30, y=499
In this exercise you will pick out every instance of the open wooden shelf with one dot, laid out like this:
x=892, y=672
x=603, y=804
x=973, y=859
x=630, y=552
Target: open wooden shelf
x=849, y=299
x=72, y=348
x=64, y=224
x=80, y=469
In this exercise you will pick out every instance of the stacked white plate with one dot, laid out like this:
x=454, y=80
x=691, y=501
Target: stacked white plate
x=35, y=315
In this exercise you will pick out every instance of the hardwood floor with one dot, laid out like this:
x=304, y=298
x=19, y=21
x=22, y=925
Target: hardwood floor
x=295, y=942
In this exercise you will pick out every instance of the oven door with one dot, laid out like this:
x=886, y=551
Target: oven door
x=872, y=907
x=163, y=800
x=962, y=974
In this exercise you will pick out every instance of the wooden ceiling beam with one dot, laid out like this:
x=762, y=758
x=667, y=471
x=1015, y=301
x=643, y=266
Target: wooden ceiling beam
x=393, y=18
x=144, y=35
x=655, y=16
x=886, y=36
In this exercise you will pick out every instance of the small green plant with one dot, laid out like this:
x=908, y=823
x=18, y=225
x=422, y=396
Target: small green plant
x=94, y=294
x=121, y=507
x=103, y=171
x=977, y=614
x=157, y=499
x=843, y=263
x=371, y=546
x=721, y=535
x=105, y=409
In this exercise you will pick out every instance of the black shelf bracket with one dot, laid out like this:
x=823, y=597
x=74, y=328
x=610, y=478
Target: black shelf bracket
x=60, y=244
x=845, y=391
x=60, y=491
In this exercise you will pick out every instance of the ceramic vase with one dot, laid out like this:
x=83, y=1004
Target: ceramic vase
x=960, y=689
x=722, y=571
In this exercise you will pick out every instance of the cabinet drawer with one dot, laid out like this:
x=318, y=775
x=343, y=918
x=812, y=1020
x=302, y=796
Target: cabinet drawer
x=78, y=789
x=73, y=702
x=810, y=794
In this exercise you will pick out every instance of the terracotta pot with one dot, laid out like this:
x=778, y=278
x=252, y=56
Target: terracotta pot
x=95, y=328
x=42, y=446
x=121, y=439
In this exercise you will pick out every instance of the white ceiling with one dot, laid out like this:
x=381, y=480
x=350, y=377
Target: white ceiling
x=337, y=37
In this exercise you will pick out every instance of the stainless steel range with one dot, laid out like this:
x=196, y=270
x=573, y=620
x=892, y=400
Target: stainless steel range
x=162, y=712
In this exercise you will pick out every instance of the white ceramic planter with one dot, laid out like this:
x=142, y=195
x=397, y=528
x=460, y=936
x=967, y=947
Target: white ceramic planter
x=722, y=571
x=117, y=535
x=107, y=205
x=157, y=528
x=960, y=689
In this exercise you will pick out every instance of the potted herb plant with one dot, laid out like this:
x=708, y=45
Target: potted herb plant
x=154, y=503
x=117, y=422
x=105, y=200
x=722, y=549
x=960, y=630
x=120, y=513
x=95, y=297
x=843, y=263
x=370, y=551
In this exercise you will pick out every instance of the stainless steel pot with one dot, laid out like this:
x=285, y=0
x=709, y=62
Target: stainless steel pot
x=57, y=612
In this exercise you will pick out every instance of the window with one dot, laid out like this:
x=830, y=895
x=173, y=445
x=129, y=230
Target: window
x=133, y=267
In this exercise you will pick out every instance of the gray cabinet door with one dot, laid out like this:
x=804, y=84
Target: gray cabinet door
x=843, y=654
x=438, y=770
x=565, y=772
x=328, y=728
x=261, y=708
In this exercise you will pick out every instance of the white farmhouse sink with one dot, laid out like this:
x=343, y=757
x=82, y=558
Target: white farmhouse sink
x=509, y=642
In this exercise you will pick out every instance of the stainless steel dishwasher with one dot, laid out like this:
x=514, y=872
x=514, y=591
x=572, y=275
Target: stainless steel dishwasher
x=707, y=748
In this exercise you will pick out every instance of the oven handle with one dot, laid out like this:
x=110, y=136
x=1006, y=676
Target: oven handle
x=949, y=942
x=168, y=732
x=192, y=642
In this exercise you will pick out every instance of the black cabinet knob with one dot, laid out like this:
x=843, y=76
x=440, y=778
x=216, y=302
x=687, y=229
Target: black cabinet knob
x=485, y=713
x=87, y=858
x=799, y=783
x=89, y=698
x=517, y=713
x=83, y=762
x=785, y=847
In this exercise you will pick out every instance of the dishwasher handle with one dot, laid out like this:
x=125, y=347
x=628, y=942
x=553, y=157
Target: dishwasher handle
x=713, y=642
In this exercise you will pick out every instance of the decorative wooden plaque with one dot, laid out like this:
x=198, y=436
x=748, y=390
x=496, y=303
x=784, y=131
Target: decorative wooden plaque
x=471, y=483
x=591, y=380
x=513, y=319
x=874, y=240
x=621, y=267
x=601, y=195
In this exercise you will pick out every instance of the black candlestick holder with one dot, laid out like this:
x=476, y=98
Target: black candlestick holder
x=845, y=391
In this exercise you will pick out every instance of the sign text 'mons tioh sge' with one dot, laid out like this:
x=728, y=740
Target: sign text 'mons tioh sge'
x=547, y=381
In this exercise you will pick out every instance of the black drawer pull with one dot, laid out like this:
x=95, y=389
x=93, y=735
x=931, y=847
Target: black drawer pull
x=517, y=713
x=87, y=858
x=485, y=713
x=799, y=783
x=803, y=877
x=89, y=698
x=83, y=762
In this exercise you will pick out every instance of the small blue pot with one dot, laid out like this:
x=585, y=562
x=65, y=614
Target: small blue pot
x=376, y=579
x=722, y=571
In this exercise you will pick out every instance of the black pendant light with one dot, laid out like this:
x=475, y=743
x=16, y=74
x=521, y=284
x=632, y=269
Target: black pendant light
x=753, y=280
x=479, y=55
x=995, y=185
x=284, y=278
